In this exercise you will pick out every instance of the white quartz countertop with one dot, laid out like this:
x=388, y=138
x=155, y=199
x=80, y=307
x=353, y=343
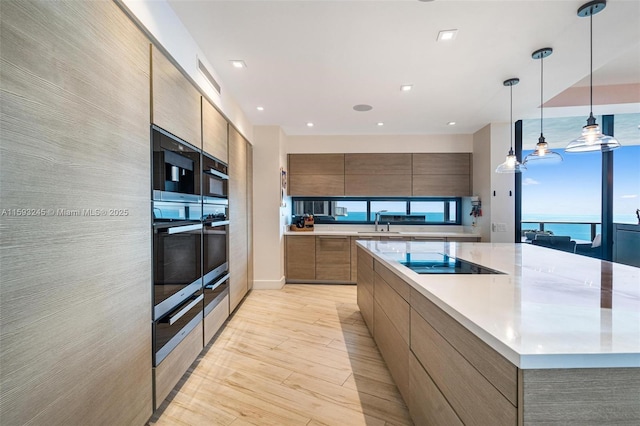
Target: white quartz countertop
x=351, y=233
x=550, y=309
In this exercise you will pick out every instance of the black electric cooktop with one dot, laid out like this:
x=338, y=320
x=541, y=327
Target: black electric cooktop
x=440, y=263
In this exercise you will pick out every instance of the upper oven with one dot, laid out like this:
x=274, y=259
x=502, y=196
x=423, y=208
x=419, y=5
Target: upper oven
x=177, y=253
x=176, y=166
x=215, y=178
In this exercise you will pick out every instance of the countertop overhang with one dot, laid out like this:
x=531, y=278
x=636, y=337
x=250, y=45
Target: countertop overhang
x=351, y=233
x=550, y=309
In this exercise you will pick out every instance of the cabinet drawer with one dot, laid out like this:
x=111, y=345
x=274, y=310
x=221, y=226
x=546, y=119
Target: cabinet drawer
x=395, y=282
x=497, y=369
x=426, y=403
x=472, y=396
x=394, y=350
x=396, y=308
x=214, y=320
x=365, y=303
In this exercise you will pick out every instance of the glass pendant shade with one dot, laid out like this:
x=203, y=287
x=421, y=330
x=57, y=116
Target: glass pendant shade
x=542, y=154
x=592, y=138
x=511, y=164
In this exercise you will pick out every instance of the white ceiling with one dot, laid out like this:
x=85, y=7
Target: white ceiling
x=314, y=60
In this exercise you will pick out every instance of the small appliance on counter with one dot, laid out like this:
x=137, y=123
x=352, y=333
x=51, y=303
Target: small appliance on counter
x=302, y=223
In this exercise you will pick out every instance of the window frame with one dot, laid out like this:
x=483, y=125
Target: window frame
x=368, y=200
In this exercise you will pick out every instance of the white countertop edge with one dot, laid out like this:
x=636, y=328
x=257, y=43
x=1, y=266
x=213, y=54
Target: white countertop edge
x=522, y=361
x=434, y=234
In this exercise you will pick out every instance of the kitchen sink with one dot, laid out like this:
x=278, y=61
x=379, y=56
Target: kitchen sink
x=379, y=232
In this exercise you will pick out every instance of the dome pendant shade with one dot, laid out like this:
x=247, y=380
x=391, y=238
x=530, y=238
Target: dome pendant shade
x=511, y=164
x=542, y=151
x=592, y=138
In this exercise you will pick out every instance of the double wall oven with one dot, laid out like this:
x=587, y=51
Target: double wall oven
x=190, y=227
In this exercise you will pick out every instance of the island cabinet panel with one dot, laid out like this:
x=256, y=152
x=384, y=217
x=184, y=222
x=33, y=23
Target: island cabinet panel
x=354, y=256
x=396, y=308
x=401, y=287
x=426, y=404
x=365, y=287
x=301, y=257
x=175, y=101
x=591, y=396
x=377, y=164
x=214, y=132
x=75, y=292
x=473, y=397
x=238, y=219
x=497, y=369
x=316, y=175
x=333, y=258
x=393, y=348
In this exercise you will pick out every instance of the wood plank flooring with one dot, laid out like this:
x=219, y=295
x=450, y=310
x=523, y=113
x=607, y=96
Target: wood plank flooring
x=297, y=356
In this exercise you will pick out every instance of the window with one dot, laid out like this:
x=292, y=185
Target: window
x=394, y=210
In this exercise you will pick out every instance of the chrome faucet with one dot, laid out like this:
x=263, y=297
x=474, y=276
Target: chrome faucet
x=378, y=218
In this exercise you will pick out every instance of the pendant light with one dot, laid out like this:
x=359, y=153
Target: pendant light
x=592, y=138
x=511, y=164
x=542, y=151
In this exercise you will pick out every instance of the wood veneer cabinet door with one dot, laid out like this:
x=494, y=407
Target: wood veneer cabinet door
x=377, y=164
x=316, y=174
x=238, y=217
x=377, y=185
x=175, y=101
x=301, y=257
x=75, y=298
x=214, y=132
x=333, y=258
x=442, y=174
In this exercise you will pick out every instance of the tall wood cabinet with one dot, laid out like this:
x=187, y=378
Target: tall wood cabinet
x=175, y=101
x=75, y=340
x=238, y=216
x=214, y=132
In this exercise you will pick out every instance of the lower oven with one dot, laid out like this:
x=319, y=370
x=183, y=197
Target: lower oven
x=172, y=328
x=177, y=254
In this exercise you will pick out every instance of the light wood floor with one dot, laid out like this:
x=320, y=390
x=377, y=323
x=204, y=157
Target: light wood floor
x=297, y=356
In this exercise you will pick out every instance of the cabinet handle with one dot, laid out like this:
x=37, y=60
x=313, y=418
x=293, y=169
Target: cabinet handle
x=185, y=228
x=217, y=283
x=172, y=319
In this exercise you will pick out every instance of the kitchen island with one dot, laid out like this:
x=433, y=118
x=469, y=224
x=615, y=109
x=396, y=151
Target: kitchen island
x=549, y=337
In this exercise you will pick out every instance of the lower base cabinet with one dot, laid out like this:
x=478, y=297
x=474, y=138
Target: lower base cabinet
x=172, y=368
x=214, y=320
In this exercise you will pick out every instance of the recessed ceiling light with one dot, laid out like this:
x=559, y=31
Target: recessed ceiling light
x=309, y=124
x=451, y=123
x=406, y=87
x=380, y=123
x=238, y=63
x=447, y=35
x=260, y=108
x=362, y=107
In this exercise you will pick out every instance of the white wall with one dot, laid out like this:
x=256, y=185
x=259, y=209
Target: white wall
x=269, y=215
x=490, y=147
x=161, y=21
x=379, y=143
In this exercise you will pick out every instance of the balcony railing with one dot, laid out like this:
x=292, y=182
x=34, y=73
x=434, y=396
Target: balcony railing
x=577, y=230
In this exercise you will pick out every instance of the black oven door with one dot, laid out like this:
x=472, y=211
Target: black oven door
x=215, y=178
x=215, y=241
x=177, y=264
x=172, y=328
x=176, y=166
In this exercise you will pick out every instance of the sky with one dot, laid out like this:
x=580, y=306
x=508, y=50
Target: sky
x=573, y=187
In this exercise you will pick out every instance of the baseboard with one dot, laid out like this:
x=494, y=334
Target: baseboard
x=268, y=284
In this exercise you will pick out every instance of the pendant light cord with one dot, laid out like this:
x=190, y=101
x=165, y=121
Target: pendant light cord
x=541, y=87
x=591, y=64
x=511, y=120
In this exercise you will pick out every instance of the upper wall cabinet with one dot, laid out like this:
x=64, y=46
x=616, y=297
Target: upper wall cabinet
x=214, y=132
x=175, y=101
x=442, y=174
x=377, y=174
x=316, y=174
